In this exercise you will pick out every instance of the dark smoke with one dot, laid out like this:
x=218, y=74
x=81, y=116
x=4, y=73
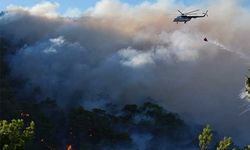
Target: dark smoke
x=117, y=53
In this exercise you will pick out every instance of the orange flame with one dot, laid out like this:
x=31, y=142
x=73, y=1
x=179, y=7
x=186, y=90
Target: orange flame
x=69, y=147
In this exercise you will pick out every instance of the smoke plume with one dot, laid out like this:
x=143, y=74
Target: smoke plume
x=119, y=53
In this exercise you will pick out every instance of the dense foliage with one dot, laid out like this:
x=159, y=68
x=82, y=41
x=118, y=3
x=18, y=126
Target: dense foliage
x=206, y=137
x=14, y=135
x=225, y=143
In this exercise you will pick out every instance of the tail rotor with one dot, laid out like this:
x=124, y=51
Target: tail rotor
x=205, y=14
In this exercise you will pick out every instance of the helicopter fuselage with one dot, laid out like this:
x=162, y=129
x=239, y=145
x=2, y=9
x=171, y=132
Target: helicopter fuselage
x=182, y=19
x=185, y=18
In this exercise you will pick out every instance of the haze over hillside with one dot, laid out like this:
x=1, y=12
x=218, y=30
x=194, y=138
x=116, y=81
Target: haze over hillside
x=120, y=53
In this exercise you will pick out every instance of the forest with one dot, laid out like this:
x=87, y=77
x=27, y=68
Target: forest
x=27, y=123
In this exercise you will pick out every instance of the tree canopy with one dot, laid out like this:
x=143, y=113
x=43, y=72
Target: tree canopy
x=14, y=135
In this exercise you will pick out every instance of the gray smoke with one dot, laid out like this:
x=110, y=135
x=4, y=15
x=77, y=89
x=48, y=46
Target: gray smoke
x=122, y=54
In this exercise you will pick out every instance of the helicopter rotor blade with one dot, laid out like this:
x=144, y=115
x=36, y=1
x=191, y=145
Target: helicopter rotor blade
x=192, y=11
x=180, y=12
x=192, y=14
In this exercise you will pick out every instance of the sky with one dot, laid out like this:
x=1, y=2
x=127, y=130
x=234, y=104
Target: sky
x=64, y=4
x=80, y=4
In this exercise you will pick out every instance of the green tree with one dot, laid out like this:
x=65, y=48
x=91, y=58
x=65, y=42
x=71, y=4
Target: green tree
x=247, y=147
x=225, y=143
x=14, y=135
x=205, y=138
x=248, y=86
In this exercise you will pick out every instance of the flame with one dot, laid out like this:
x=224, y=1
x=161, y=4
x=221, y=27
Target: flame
x=69, y=147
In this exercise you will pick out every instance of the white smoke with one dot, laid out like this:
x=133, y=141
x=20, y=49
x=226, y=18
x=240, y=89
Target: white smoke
x=44, y=8
x=132, y=52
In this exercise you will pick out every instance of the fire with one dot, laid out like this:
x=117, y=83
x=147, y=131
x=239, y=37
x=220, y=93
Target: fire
x=69, y=147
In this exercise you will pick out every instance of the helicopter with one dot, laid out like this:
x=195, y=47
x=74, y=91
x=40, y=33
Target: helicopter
x=184, y=17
